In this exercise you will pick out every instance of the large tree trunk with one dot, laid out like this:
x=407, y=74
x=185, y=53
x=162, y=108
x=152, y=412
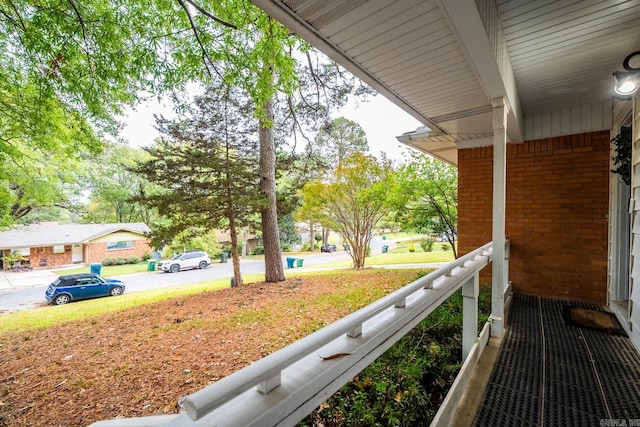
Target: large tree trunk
x=235, y=259
x=273, y=269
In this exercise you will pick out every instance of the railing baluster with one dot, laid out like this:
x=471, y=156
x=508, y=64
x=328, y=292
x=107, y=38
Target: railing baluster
x=470, y=292
x=355, y=332
x=267, y=385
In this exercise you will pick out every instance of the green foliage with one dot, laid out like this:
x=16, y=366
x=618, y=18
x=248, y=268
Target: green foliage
x=339, y=139
x=353, y=201
x=259, y=250
x=425, y=196
x=114, y=187
x=406, y=385
x=622, y=159
x=120, y=261
x=288, y=233
x=426, y=243
x=445, y=247
x=412, y=248
x=194, y=238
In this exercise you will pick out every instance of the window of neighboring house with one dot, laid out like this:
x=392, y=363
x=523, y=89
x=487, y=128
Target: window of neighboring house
x=58, y=249
x=23, y=251
x=111, y=246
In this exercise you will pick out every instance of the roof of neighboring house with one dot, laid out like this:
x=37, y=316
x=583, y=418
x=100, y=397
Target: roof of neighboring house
x=50, y=234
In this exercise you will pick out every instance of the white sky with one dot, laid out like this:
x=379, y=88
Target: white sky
x=381, y=120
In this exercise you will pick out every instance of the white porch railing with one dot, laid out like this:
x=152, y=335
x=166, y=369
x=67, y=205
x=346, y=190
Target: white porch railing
x=282, y=388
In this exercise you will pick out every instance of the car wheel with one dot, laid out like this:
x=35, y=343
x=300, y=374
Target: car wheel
x=62, y=299
x=175, y=268
x=203, y=265
x=115, y=291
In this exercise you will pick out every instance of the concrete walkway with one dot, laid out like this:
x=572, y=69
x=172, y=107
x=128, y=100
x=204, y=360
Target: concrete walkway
x=26, y=279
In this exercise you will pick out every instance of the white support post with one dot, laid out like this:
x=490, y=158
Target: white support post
x=498, y=229
x=470, y=292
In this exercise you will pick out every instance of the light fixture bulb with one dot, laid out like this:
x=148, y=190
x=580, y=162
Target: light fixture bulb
x=626, y=82
x=626, y=88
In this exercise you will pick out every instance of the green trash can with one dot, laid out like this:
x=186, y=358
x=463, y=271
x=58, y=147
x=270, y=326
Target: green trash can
x=96, y=268
x=299, y=262
x=223, y=257
x=385, y=249
x=151, y=265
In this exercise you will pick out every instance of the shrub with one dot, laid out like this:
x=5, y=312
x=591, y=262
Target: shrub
x=412, y=248
x=286, y=247
x=259, y=250
x=146, y=257
x=426, y=243
x=108, y=261
x=405, y=385
x=445, y=247
x=132, y=260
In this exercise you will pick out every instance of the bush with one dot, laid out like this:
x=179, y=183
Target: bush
x=412, y=248
x=259, y=250
x=405, y=385
x=146, y=257
x=426, y=243
x=132, y=260
x=286, y=247
x=446, y=247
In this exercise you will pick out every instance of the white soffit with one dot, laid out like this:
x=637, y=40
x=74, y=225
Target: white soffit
x=443, y=60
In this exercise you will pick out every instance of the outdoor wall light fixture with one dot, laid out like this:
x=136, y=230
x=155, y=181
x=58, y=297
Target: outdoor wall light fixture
x=627, y=82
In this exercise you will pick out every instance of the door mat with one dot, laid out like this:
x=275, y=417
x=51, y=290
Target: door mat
x=597, y=320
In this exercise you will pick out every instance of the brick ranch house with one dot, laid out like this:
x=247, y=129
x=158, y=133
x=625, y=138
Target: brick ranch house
x=48, y=245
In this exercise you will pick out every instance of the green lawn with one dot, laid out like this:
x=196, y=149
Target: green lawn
x=399, y=255
x=108, y=271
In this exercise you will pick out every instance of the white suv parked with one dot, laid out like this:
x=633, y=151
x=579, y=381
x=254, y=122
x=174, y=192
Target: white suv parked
x=185, y=260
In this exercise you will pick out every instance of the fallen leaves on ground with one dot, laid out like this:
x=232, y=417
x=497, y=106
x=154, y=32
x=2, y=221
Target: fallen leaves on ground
x=141, y=361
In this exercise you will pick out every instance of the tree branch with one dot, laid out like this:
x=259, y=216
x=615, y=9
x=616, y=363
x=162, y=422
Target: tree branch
x=211, y=16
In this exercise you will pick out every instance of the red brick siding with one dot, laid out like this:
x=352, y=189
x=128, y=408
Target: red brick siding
x=43, y=257
x=556, y=213
x=96, y=252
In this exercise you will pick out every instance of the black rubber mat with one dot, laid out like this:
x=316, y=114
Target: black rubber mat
x=550, y=374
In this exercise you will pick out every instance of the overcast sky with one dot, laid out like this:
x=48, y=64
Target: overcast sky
x=381, y=120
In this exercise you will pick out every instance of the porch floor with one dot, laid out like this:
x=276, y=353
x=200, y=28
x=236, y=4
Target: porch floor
x=548, y=373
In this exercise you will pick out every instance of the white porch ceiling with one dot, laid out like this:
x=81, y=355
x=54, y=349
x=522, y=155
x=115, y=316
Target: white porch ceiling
x=443, y=61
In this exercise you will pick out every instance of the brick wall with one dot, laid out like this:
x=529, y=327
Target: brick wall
x=556, y=213
x=96, y=252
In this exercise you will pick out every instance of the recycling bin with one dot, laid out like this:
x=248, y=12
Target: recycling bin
x=96, y=268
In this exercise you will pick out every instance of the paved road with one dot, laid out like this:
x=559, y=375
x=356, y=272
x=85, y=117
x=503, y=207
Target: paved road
x=23, y=292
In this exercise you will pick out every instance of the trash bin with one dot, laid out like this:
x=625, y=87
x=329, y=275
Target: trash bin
x=223, y=257
x=290, y=262
x=96, y=268
x=299, y=262
x=385, y=249
x=151, y=265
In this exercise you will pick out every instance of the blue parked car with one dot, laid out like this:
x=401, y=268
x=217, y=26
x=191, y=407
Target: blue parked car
x=81, y=286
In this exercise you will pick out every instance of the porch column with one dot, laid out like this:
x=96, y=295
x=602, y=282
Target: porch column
x=498, y=229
